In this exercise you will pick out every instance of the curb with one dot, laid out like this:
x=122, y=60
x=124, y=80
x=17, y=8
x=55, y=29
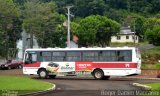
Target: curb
x=142, y=86
x=39, y=92
x=143, y=78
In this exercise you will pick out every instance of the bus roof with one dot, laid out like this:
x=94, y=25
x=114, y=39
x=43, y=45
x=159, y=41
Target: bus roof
x=76, y=49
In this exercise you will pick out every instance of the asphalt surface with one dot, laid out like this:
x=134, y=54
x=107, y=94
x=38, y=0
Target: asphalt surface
x=146, y=47
x=84, y=86
x=91, y=87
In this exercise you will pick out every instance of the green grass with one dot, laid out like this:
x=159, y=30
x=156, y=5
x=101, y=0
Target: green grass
x=154, y=86
x=22, y=84
x=155, y=50
x=157, y=65
x=128, y=44
x=151, y=56
x=121, y=44
x=150, y=66
x=144, y=66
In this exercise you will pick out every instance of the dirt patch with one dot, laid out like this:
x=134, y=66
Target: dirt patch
x=12, y=72
x=150, y=73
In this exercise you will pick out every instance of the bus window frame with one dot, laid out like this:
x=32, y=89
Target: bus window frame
x=41, y=56
x=64, y=57
x=28, y=57
x=80, y=56
x=98, y=54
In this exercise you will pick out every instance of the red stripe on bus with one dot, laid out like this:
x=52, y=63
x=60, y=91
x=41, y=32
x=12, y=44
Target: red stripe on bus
x=114, y=65
x=83, y=66
x=37, y=64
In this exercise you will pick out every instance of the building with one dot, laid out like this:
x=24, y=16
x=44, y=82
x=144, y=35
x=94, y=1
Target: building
x=125, y=35
x=24, y=43
x=73, y=43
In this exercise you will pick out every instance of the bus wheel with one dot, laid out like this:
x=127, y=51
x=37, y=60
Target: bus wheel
x=42, y=73
x=52, y=76
x=20, y=66
x=98, y=74
x=9, y=68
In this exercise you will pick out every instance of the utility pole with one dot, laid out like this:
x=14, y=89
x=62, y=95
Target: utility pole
x=31, y=37
x=68, y=26
x=134, y=29
x=31, y=40
x=134, y=34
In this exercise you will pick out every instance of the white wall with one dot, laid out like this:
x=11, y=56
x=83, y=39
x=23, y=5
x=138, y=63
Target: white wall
x=123, y=39
x=24, y=44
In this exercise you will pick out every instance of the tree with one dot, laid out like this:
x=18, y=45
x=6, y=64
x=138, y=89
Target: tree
x=85, y=8
x=137, y=22
x=96, y=30
x=152, y=33
x=117, y=15
x=42, y=20
x=82, y=8
x=153, y=36
x=106, y=29
x=10, y=30
x=151, y=22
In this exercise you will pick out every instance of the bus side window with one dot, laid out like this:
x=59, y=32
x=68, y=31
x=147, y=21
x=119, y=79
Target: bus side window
x=124, y=55
x=45, y=56
x=120, y=56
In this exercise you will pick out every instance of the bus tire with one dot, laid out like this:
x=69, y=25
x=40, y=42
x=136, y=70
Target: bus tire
x=98, y=74
x=9, y=68
x=42, y=73
x=20, y=66
x=52, y=76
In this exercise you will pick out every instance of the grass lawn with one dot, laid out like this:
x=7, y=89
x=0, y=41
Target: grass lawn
x=22, y=84
x=151, y=56
x=128, y=44
x=155, y=86
x=151, y=66
x=155, y=90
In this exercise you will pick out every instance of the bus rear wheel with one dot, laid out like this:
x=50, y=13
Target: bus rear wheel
x=42, y=73
x=98, y=74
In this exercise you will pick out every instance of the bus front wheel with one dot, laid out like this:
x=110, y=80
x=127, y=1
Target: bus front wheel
x=98, y=74
x=42, y=73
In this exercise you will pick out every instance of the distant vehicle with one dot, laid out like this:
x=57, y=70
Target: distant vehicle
x=10, y=64
x=99, y=62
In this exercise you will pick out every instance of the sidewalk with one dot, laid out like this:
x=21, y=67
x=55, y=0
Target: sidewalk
x=144, y=77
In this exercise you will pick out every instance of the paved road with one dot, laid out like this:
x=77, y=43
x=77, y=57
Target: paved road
x=146, y=47
x=83, y=86
x=89, y=86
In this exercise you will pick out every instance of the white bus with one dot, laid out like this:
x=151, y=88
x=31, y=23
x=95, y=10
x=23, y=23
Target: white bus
x=99, y=62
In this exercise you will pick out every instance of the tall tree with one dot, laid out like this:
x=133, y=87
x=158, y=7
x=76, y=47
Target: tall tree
x=96, y=30
x=152, y=33
x=10, y=30
x=137, y=25
x=82, y=8
x=42, y=20
x=85, y=8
